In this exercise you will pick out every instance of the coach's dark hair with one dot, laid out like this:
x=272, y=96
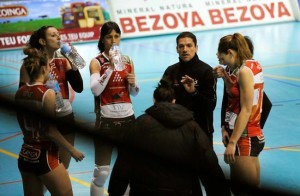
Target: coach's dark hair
x=187, y=34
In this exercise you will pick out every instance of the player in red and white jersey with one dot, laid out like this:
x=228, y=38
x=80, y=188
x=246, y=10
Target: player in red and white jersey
x=47, y=39
x=115, y=99
x=233, y=106
x=241, y=131
x=113, y=106
x=38, y=160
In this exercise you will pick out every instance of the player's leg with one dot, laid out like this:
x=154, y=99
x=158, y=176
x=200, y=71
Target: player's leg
x=32, y=185
x=58, y=181
x=103, y=152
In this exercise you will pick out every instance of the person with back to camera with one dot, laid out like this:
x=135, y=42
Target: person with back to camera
x=38, y=160
x=114, y=110
x=47, y=39
x=167, y=151
x=241, y=133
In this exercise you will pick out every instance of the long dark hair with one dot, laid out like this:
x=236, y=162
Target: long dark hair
x=105, y=30
x=36, y=36
x=250, y=44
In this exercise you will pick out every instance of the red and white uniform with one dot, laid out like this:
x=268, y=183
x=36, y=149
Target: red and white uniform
x=115, y=99
x=38, y=154
x=31, y=97
x=253, y=127
x=58, y=68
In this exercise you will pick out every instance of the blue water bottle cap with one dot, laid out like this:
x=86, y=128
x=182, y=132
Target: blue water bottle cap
x=56, y=88
x=65, y=48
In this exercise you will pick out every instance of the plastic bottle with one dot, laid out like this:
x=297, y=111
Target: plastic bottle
x=70, y=52
x=58, y=99
x=53, y=84
x=117, y=57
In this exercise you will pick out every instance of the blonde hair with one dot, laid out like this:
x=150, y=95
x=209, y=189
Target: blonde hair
x=34, y=61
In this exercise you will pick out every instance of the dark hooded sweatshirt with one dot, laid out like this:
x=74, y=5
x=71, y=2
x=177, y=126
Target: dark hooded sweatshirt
x=167, y=152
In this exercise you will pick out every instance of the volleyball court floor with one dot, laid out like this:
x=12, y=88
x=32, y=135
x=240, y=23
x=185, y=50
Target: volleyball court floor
x=277, y=47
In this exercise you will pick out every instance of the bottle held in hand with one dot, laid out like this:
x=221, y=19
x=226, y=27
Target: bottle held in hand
x=59, y=99
x=70, y=52
x=52, y=83
x=116, y=55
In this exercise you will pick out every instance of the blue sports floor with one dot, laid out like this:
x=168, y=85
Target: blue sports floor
x=277, y=47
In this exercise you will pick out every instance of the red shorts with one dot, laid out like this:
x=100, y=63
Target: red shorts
x=38, y=159
x=250, y=146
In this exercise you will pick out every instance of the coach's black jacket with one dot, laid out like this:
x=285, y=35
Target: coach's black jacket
x=167, y=151
x=203, y=102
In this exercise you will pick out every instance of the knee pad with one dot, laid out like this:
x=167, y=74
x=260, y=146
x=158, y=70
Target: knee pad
x=101, y=173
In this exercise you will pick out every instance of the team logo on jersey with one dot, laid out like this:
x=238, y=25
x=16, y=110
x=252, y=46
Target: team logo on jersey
x=117, y=77
x=102, y=60
x=27, y=94
x=30, y=153
x=60, y=65
x=118, y=95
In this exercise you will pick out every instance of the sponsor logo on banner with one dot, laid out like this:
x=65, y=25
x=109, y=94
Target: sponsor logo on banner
x=69, y=35
x=153, y=17
x=13, y=11
x=79, y=20
x=76, y=20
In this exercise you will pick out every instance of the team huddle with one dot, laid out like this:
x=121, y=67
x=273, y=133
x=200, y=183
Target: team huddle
x=166, y=151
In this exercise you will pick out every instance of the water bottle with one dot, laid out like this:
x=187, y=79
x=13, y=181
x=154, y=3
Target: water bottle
x=116, y=55
x=53, y=84
x=59, y=100
x=69, y=51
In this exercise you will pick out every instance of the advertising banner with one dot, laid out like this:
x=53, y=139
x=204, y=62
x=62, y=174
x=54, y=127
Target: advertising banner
x=155, y=17
x=75, y=19
x=80, y=21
